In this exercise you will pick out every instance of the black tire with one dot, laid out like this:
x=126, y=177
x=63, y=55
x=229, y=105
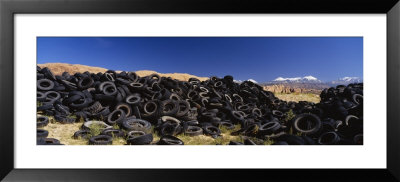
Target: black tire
x=237, y=116
x=69, y=85
x=133, y=76
x=193, y=131
x=256, y=112
x=329, y=138
x=113, y=133
x=103, y=113
x=133, y=133
x=169, y=129
x=251, y=129
x=151, y=109
x=45, y=84
x=277, y=113
x=169, y=107
x=307, y=123
x=39, y=76
x=71, y=98
x=140, y=140
x=211, y=130
x=227, y=125
x=50, y=141
x=123, y=81
x=207, y=116
x=170, y=140
x=357, y=99
x=133, y=99
x=156, y=76
x=269, y=128
x=125, y=107
x=109, y=76
x=85, y=83
x=100, y=140
x=84, y=134
x=184, y=107
x=42, y=121
x=64, y=110
x=170, y=119
x=49, y=112
x=52, y=96
x=110, y=90
x=352, y=121
x=40, y=141
x=102, y=85
x=137, y=86
x=122, y=92
x=40, y=96
x=64, y=119
x=104, y=98
x=165, y=94
x=94, y=108
x=116, y=117
x=244, y=108
x=136, y=125
x=41, y=133
x=190, y=123
x=175, y=97
x=82, y=103
x=59, y=88
x=48, y=74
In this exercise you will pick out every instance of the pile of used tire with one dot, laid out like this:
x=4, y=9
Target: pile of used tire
x=139, y=105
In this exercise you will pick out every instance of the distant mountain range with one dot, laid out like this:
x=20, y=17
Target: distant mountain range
x=311, y=79
x=347, y=80
x=307, y=84
x=306, y=79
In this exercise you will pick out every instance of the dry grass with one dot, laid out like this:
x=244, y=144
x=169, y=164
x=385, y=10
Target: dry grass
x=64, y=133
x=296, y=97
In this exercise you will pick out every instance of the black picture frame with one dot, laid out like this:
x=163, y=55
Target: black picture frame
x=8, y=8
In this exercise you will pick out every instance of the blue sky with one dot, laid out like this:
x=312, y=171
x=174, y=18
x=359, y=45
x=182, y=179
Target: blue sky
x=260, y=58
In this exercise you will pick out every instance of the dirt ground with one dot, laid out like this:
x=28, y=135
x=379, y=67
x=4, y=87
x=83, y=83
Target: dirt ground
x=64, y=133
x=296, y=97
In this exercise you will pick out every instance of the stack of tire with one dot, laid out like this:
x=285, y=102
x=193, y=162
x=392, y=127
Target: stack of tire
x=42, y=135
x=138, y=105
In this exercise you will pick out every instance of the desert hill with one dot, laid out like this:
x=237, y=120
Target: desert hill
x=287, y=88
x=59, y=68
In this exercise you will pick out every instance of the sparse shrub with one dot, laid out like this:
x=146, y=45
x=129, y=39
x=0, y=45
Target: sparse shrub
x=95, y=129
x=289, y=115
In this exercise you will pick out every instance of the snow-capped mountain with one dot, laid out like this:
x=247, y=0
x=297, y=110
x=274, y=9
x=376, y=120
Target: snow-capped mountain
x=347, y=80
x=307, y=84
x=306, y=79
x=240, y=81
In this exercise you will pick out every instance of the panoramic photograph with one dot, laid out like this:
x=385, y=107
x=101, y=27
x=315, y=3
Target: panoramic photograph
x=199, y=91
